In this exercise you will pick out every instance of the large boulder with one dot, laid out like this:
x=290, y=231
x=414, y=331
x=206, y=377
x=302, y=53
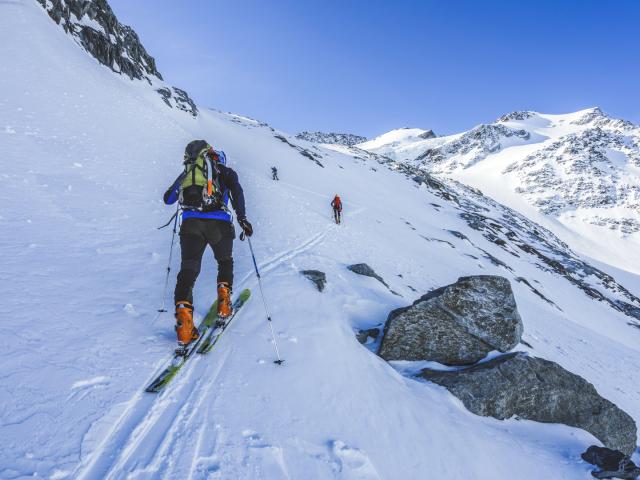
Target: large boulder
x=535, y=389
x=455, y=325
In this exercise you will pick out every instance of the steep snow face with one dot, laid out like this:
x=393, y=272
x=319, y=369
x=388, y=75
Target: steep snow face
x=576, y=173
x=86, y=157
x=346, y=139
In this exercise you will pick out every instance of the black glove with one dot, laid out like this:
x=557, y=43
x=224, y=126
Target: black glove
x=247, y=229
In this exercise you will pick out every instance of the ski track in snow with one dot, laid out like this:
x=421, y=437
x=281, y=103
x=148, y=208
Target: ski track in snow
x=154, y=425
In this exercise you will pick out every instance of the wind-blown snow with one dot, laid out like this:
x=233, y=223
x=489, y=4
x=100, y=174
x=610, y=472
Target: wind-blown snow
x=86, y=156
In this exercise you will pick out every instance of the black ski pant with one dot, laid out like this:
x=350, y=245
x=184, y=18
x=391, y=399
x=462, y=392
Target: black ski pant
x=195, y=235
x=337, y=214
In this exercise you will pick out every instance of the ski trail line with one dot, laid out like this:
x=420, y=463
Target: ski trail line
x=140, y=407
x=314, y=240
x=162, y=429
x=177, y=450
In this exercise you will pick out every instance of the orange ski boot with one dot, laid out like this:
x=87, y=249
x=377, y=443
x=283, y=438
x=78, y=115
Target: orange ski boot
x=225, y=308
x=186, y=330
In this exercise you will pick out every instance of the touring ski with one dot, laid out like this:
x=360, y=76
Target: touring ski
x=209, y=334
x=181, y=357
x=215, y=333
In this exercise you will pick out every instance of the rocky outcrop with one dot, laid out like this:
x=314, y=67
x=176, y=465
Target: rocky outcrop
x=518, y=115
x=95, y=27
x=471, y=147
x=346, y=139
x=581, y=170
x=536, y=389
x=518, y=236
x=455, y=325
x=317, y=277
x=314, y=157
x=427, y=135
x=174, y=97
x=98, y=30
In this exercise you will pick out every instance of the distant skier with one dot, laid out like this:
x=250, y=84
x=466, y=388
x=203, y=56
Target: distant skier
x=336, y=203
x=203, y=190
x=274, y=173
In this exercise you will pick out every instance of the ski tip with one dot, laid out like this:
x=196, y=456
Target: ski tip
x=278, y=362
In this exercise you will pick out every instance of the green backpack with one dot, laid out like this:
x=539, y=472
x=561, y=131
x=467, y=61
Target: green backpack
x=199, y=188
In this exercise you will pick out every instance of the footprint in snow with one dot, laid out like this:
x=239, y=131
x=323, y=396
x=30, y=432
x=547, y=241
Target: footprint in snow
x=351, y=463
x=266, y=460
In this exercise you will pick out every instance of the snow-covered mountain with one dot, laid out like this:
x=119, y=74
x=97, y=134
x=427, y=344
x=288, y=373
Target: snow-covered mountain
x=346, y=139
x=578, y=174
x=86, y=156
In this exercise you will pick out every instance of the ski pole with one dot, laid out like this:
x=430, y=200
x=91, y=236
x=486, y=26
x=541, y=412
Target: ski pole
x=255, y=265
x=166, y=280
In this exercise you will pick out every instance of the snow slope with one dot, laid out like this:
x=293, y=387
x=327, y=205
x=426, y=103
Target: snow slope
x=86, y=156
x=577, y=174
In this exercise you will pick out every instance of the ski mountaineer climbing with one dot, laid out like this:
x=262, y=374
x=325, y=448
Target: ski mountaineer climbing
x=203, y=191
x=336, y=203
x=274, y=173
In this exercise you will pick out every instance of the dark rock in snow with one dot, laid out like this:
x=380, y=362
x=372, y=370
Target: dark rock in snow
x=178, y=98
x=317, y=277
x=367, y=271
x=536, y=389
x=363, y=336
x=613, y=464
x=303, y=151
x=456, y=325
x=427, y=135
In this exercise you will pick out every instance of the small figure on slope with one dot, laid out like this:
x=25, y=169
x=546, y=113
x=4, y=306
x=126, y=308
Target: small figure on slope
x=274, y=173
x=203, y=190
x=336, y=203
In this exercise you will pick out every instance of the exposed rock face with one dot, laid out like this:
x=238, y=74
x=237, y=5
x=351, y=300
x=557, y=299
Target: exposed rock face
x=174, y=97
x=98, y=30
x=427, y=135
x=539, y=390
x=367, y=271
x=95, y=27
x=580, y=170
x=518, y=236
x=518, y=115
x=346, y=139
x=455, y=325
x=314, y=157
x=471, y=147
x=317, y=277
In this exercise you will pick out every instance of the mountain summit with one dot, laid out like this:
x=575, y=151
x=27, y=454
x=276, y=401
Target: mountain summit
x=577, y=173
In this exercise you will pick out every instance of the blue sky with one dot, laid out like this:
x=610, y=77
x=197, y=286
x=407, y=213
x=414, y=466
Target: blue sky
x=367, y=67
